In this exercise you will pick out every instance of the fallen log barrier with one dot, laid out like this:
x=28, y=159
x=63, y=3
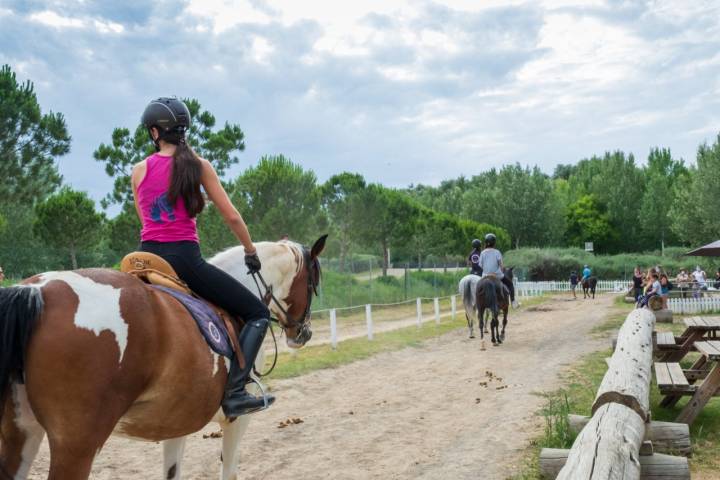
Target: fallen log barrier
x=615, y=442
x=663, y=316
x=666, y=437
x=652, y=467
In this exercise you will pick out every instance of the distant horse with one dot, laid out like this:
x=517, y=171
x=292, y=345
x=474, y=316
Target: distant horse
x=89, y=353
x=467, y=288
x=589, y=284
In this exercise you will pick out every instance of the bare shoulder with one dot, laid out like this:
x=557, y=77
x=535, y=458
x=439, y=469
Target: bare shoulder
x=138, y=171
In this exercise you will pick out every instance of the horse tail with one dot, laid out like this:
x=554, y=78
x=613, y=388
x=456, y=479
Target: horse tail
x=491, y=296
x=468, y=295
x=20, y=307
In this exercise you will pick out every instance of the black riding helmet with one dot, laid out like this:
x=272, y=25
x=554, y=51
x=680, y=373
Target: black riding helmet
x=490, y=240
x=476, y=243
x=170, y=116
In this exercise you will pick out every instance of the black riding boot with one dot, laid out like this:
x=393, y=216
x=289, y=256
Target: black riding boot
x=237, y=401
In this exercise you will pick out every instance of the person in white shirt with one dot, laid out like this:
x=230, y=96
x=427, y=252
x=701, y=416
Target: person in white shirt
x=491, y=263
x=700, y=278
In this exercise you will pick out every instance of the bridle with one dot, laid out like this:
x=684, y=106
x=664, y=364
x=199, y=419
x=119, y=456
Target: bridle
x=302, y=323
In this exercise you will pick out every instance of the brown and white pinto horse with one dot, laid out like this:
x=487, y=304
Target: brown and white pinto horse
x=90, y=353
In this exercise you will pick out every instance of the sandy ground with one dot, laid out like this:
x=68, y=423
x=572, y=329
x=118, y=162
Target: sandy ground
x=430, y=412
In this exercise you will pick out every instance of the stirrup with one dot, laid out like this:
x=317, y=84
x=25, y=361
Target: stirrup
x=252, y=378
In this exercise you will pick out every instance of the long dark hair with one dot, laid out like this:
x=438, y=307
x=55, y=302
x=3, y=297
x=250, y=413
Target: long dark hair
x=185, y=179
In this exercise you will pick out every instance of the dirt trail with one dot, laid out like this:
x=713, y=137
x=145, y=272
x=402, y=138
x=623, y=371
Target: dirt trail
x=429, y=412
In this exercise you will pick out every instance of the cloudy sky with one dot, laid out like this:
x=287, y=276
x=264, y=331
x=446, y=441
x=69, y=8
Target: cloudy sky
x=402, y=91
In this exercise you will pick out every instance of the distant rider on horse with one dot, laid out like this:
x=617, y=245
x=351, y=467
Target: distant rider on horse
x=586, y=273
x=474, y=258
x=490, y=262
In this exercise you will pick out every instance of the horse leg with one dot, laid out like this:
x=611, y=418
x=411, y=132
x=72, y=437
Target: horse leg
x=502, y=335
x=21, y=435
x=232, y=433
x=494, y=329
x=470, y=323
x=173, y=450
x=481, y=319
x=487, y=322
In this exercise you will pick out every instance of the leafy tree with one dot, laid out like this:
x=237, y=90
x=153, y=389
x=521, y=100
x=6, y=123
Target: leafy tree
x=661, y=175
x=587, y=222
x=342, y=200
x=126, y=149
x=617, y=184
x=30, y=142
x=390, y=219
x=697, y=201
x=123, y=231
x=281, y=198
x=68, y=220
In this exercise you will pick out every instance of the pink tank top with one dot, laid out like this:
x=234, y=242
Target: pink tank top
x=162, y=222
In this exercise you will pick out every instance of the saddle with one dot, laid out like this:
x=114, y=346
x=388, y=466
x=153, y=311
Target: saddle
x=154, y=270
x=213, y=322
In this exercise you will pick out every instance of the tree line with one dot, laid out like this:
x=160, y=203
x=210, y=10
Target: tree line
x=609, y=200
x=621, y=206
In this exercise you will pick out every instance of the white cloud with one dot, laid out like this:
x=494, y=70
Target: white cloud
x=52, y=19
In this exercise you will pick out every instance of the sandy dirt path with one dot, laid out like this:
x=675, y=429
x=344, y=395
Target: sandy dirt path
x=429, y=412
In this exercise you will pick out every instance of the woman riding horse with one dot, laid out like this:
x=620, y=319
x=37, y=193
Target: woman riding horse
x=169, y=181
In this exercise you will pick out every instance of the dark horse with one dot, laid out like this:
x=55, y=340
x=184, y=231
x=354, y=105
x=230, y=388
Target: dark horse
x=491, y=294
x=589, y=284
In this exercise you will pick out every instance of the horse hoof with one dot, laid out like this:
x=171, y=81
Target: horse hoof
x=495, y=344
x=472, y=336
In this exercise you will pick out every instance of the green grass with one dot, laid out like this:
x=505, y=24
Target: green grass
x=579, y=393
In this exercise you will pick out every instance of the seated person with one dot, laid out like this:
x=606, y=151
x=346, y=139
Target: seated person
x=653, y=290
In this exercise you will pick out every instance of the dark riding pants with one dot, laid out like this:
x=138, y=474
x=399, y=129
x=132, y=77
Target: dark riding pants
x=208, y=281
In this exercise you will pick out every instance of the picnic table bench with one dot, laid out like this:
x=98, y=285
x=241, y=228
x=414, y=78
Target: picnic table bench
x=675, y=382
x=673, y=349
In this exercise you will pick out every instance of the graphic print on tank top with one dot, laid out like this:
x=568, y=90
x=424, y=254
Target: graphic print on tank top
x=162, y=204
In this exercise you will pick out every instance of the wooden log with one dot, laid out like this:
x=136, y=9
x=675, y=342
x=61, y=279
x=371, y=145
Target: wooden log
x=608, y=447
x=663, y=316
x=627, y=380
x=667, y=437
x=654, y=467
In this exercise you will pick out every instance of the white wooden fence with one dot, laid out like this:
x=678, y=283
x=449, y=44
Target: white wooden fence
x=370, y=325
x=534, y=289
x=694, y=305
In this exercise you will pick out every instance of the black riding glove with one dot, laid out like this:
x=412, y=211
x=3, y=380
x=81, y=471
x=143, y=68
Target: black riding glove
x=252, y=262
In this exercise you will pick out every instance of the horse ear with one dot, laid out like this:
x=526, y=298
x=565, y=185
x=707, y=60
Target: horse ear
x=318, y=247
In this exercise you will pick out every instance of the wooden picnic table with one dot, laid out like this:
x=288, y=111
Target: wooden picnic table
x=710, y=385
x=696, y=329
x=671, y=349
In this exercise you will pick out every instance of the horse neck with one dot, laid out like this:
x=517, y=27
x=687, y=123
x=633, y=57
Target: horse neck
x=279, y=266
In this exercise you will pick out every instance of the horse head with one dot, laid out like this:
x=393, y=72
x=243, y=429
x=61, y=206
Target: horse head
x=509, y=273
x=293, y=273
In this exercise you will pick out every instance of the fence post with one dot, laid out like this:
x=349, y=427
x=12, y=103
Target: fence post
x=453, y=306
x=333, y=329
x=368, y=316
x=436, y=302
x=419, y=312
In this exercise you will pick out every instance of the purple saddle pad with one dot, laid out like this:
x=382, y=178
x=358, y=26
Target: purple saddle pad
x=208, y=321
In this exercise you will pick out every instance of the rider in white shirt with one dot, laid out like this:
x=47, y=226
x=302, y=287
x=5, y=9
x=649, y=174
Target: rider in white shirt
x=491, y=262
